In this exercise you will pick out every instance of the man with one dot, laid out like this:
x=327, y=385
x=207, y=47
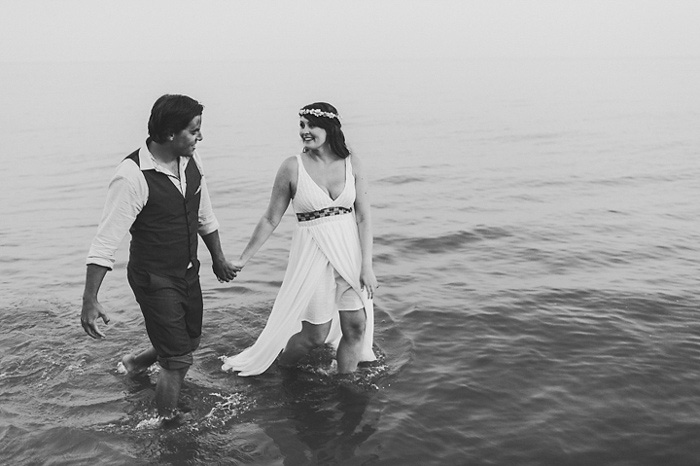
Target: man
x=160, y=196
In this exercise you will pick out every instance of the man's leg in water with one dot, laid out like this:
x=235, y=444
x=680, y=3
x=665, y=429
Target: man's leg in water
x=168, y=391
x=137, y=363
x=172, y=309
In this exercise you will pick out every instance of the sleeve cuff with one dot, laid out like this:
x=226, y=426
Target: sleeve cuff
x=210, y=227
x=100, y=261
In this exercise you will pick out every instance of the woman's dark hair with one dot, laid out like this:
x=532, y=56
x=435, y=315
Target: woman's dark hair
x=335, y=137
x=171, y=114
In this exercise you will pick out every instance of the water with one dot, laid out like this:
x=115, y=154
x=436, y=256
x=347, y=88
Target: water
x=536, y=241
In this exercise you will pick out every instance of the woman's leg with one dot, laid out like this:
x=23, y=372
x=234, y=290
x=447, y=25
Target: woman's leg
x=299, y=345
x=352, y=324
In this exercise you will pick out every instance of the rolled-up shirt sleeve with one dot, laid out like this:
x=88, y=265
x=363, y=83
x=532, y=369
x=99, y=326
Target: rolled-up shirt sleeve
x=126, y=196
x=208, y=223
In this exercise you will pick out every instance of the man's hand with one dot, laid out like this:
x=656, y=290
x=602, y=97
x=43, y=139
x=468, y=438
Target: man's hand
x=224, y=270
x=91, y=311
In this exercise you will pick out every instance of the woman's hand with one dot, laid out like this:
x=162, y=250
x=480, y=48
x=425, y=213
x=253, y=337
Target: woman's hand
x=368, y=281
x=238, y=265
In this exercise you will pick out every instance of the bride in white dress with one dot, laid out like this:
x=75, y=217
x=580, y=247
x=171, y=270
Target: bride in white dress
x=326, y=295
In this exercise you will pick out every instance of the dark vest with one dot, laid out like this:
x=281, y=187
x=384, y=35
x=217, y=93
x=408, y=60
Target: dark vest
x=164, y=234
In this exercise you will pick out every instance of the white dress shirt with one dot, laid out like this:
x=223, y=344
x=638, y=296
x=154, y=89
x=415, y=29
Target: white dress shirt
x=127, y=195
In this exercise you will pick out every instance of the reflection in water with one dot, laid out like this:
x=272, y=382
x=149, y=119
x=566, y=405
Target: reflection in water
x=304, y=416
x=301, y=417
x=321, y=424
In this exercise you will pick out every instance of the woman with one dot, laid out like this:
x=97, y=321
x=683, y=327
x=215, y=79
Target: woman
x=327, y=291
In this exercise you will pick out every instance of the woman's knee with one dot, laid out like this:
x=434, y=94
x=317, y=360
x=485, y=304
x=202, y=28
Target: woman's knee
x=314, y=335
x=353, y=324
x=355, y=331
x=314, y=340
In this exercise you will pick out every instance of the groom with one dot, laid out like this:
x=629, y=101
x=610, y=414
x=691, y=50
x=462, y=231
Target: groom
x=160, y=196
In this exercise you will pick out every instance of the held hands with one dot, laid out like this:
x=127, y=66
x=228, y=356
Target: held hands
x=368, y=281
x=225, y=270
x=238, y=264
x=88, y=318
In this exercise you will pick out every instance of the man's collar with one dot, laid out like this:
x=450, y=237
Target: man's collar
x=145, y=157
x=148, y=162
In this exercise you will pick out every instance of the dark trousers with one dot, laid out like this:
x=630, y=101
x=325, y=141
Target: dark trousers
x=172, y=308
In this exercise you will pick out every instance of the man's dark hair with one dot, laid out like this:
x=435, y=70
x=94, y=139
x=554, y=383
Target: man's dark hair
x=171, y=114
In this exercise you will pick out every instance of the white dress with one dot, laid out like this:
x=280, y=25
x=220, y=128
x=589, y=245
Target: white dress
x=330, y=237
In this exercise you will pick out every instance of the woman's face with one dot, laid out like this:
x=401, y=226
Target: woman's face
x=313, y=137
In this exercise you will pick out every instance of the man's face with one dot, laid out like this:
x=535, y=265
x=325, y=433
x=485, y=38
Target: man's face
x=184, y=143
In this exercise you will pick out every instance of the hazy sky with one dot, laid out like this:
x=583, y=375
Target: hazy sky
x=307, y=30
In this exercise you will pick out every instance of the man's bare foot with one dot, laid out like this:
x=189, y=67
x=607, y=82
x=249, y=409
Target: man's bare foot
x=129, y=367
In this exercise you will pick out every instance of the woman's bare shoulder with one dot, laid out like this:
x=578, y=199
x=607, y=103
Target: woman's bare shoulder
x=289, y=165
x=356, y=163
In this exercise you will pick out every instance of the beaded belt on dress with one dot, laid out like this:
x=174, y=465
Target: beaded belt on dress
x=327, y=212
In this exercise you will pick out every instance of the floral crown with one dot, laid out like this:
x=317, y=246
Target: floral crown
x=318, y=113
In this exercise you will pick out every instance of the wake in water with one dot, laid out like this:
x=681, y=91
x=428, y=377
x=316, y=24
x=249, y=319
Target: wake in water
x=223, y=409
x=321, y=366
x=207, y=409
x=200, y=407
x=82, y=395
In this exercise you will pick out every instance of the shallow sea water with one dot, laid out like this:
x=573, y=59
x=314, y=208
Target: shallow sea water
x=536, y=240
